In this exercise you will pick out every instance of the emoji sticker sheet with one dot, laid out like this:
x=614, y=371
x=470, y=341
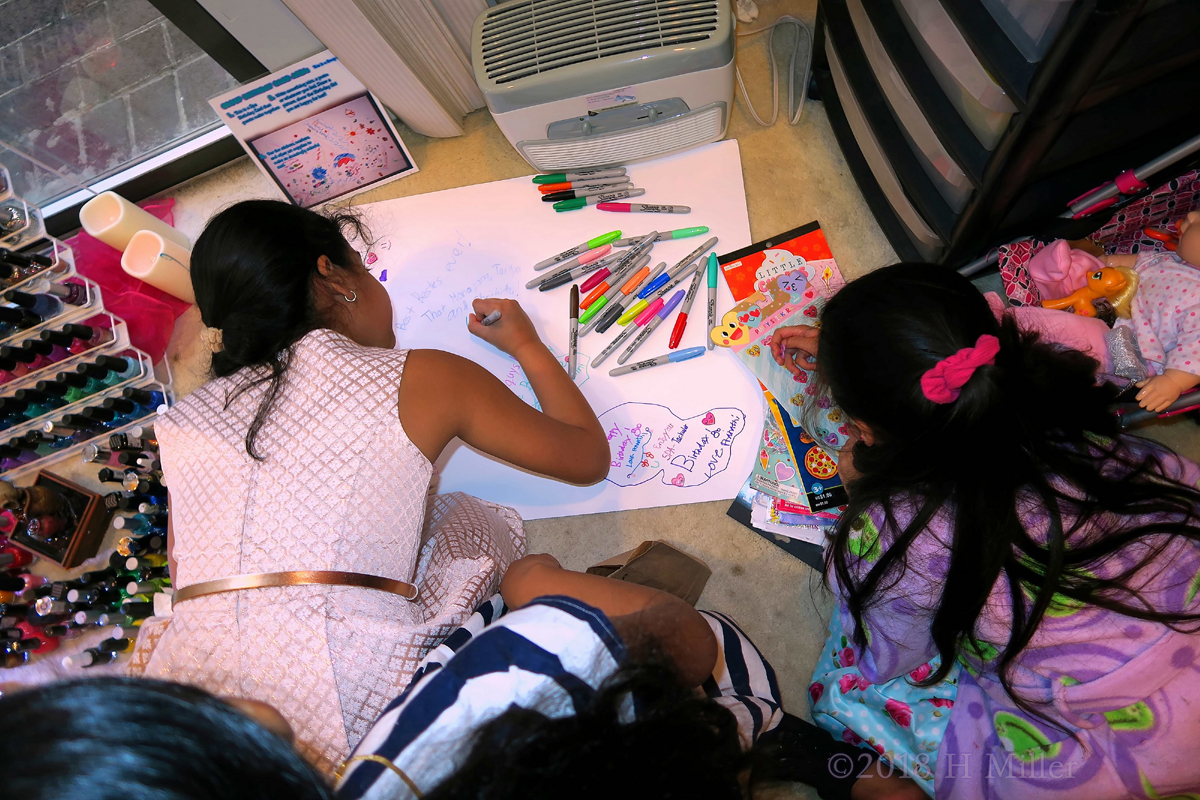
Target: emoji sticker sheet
x=781, y=284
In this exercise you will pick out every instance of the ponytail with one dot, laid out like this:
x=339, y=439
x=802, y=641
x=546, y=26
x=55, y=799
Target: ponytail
x=253, y=272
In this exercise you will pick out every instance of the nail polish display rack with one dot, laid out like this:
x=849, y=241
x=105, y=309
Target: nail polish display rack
x=46, y=423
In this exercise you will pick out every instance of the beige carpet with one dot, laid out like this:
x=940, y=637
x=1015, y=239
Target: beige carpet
x=793, y=175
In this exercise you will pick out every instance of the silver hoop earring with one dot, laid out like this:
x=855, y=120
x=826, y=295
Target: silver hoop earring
x=351, y=299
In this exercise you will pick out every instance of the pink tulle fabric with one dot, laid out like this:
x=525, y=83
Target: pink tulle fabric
x=150, y=313
x=943, y=383
x=1057, y=270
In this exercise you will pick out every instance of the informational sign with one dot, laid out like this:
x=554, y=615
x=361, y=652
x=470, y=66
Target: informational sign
x=316, y=131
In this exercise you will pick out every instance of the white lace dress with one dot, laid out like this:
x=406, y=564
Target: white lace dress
x=341, y=488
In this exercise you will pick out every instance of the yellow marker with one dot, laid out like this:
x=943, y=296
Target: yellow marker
x=633, y=311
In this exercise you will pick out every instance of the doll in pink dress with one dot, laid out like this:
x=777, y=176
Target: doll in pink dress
x=1165, y=315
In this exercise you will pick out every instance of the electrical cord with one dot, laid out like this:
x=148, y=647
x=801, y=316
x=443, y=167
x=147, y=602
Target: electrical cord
x=802, y=30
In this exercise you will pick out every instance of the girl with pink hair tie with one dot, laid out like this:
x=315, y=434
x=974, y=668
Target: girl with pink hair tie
x=1016, y=582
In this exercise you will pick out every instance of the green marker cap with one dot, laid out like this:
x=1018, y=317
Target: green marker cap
x=593, y=310
x=683, y=233
x=603, y=239
x=554, y=177
x=571, y=205
x=712, y=270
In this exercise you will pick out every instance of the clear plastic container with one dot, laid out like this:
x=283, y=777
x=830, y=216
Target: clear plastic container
x=1030, y=24
x=923, y=238
x=944, y=171
x=979, y=99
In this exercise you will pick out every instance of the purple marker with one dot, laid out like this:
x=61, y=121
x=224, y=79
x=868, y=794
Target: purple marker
x=651, y=326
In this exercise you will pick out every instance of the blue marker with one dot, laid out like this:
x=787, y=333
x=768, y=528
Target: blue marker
x=654, y=285
x=658, y=361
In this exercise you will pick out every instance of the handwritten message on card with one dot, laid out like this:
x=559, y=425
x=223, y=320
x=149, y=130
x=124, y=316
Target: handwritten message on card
x=648, y=440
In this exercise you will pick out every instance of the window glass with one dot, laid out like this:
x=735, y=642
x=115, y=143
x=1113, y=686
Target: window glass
x=90, y=87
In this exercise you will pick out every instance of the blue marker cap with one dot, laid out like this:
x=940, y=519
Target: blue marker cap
x=684, y=355
x=669, y=306
x=654, y=286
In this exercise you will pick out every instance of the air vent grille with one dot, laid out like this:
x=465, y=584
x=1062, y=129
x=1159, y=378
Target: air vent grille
x=530, y=37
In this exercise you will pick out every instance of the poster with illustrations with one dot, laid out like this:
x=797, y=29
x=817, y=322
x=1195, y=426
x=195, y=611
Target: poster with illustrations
x=315, y=131
x=680, y=433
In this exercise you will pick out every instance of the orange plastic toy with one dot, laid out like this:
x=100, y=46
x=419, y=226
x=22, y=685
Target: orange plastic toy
x=1108, y=282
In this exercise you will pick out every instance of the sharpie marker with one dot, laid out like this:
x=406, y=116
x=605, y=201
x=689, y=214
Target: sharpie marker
x=598, y=200
x=617, y=307
x=606, y=264
x=582, y=183
x=578, y=261
x=610, y=299
x=584, y=191
x=658, y=361
x=628, y=333
x=579, y=249
x=624, y=268
x=677, y=278
x=681, y=320
x=681, y=233
x=652, y=324
x=643, y=208
x=615, y=280
x=657, y=278
x=491, y=319
x=579, y=175
x=567, y=276
x=573, y=341
x=712, y=296
x=647, y=295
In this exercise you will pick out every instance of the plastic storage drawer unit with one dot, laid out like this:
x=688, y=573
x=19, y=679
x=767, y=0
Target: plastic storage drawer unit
x=949, y=178
x=1031, y=24
x=925, y=240
x=979, y=99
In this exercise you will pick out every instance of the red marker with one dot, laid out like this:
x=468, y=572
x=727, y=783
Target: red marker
x=681, y=320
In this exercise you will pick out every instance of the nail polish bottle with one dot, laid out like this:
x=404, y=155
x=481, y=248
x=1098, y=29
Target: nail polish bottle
x=25, y=359
x=73, y=294
x=126, y=409
x=90, y=616
x=140, y=524
x=44, y=401
x=81, y=422
x=81, y=385
x=12, y=557
x=91, y=657
x=46, y=443
x=7, y=365
x=94, y=453
x=150, y=573
x=78, y=338
x=64, y=630
x=49, y=350
x=115, y=645
x=120, y=501
x=105, y=417
x=137, y=610
x=146, y=560
x=46, y=306
x=146, y=587
x=150, y=509
x=9, y=457
x=13, y=318
x=111, y=370
x=11, y=660
x=124, y=621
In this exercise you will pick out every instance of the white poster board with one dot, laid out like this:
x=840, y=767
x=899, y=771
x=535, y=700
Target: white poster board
x=682, y=433
x=315, y=131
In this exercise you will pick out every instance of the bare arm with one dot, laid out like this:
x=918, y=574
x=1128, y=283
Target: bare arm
x=444, y=396
x=643, y=616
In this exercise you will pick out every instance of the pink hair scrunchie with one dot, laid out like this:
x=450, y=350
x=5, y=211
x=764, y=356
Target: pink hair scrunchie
x=943, y=383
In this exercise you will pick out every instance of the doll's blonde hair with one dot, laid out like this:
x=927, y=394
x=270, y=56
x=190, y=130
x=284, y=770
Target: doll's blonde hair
x=1122, y=301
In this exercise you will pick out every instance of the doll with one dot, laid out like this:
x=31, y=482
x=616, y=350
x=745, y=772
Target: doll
x=1166, y=315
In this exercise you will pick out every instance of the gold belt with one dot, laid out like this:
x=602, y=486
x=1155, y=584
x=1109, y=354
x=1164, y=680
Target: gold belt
x=296, y=578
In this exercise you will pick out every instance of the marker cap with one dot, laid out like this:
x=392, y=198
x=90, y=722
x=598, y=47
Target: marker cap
x=669, y=306
x=634, y=310
x=648, y=312
x=712, y=270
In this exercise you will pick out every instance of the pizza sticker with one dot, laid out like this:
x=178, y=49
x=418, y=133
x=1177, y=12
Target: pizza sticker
x=819, y=464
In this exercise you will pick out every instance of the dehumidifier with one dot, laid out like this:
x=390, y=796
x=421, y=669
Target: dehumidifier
x=591, y=83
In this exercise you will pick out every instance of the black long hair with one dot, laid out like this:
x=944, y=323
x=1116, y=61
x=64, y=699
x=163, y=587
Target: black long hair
x=125, y=739
x=678, y=745
x=1031, y=431
x=253, y=270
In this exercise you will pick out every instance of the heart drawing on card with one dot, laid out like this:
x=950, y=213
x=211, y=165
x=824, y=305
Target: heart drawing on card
x=677, y=480
x=783, y=472
x=371, y=259
x=709, y=419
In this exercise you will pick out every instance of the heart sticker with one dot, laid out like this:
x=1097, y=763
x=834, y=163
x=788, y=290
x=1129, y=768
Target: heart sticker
x=811, y=311
x=754, y=351
x=808, y=295
x=743, y=318
x=709, y=419
x=783, y=472
x=677, y=480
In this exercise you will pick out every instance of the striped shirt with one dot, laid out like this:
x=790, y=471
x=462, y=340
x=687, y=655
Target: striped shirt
x=550, y=656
